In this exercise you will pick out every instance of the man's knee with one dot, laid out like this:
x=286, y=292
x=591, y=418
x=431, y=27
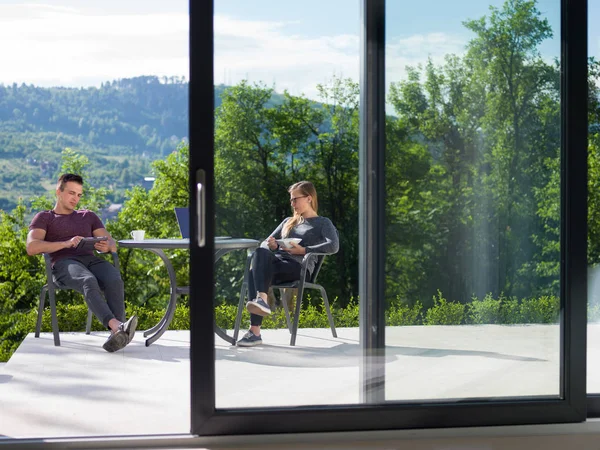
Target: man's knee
x=113, y=282
x=90, y=282
x=117, y=283
x=110, y=275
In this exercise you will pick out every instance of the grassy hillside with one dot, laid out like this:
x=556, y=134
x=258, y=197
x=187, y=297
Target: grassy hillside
x=121, y=127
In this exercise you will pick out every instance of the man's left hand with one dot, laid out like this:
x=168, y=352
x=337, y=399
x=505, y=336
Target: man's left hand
x=102, y=246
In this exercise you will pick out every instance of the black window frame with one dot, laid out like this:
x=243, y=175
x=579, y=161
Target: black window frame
x=206, y=419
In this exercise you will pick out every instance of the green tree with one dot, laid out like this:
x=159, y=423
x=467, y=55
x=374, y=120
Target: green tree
x=333, y=167
x=94, y=198
x=146, y=280
x=489, y=121
x=506, y=58
x=21, y=276
x=436, y=204
x=262, y=148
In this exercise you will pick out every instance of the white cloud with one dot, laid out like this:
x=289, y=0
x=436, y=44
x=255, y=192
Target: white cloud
x=418, y=48
x=50, y=45
x=264, y=51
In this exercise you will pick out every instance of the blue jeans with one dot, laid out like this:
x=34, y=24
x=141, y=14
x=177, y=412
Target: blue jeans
x=99, y=282
x=270, y=268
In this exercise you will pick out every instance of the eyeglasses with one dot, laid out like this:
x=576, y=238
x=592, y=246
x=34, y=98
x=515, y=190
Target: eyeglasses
x=293, y=199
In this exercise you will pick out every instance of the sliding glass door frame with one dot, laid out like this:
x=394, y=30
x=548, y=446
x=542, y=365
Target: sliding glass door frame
x=373, y=413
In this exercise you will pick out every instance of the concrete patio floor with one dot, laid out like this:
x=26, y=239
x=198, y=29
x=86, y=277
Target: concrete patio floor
x=78, y=389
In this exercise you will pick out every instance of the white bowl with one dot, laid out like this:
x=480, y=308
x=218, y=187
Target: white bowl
x=287, y=242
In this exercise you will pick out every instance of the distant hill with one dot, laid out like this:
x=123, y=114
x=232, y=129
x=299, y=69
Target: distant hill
x=121, y=127
x=132, y=115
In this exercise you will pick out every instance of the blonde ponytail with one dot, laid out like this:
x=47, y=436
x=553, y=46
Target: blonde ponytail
x=306, y=188
x=295, y=220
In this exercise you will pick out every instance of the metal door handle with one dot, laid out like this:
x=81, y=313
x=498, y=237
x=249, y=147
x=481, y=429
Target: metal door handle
x=200, y=209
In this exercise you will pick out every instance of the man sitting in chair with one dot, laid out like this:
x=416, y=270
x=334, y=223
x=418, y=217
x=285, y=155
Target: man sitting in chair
x=58, y=232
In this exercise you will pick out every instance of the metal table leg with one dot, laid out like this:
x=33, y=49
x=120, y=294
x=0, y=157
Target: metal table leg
x=157, y=330
x=165, y=321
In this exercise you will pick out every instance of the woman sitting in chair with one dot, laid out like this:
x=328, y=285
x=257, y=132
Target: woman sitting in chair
x=274, y=264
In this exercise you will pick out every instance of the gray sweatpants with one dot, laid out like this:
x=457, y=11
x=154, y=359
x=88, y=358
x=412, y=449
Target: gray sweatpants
x=92, y=276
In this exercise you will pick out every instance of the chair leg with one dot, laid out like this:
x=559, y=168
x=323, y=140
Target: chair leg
x=240, y=311
x=88, y=325
x=243, y=293
x=286, y=310
x=328, y=309
x=38, y=325
x=52, y=297
x=297, y=315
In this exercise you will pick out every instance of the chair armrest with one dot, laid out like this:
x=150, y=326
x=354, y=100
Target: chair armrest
x=315, y=254
x=317, y=267
x=115, y=258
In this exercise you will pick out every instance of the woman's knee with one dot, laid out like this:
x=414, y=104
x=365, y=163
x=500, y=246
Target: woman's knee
x=261, y=258
x=261, y=252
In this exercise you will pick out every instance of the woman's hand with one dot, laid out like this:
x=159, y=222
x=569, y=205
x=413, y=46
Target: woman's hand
x=272, y=243
x=295, y=250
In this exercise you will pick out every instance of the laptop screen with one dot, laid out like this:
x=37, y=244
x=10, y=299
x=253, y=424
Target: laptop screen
x=183, y=220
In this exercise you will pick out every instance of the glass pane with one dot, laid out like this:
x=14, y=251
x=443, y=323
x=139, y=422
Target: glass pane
x=97, y=88
x=472, y=174
x=593, y=329
x=287, y=111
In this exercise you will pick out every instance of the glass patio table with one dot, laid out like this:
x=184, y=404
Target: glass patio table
x=223, y=245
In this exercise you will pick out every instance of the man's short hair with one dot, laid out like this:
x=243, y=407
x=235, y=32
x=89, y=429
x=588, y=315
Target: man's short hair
x=65, y=178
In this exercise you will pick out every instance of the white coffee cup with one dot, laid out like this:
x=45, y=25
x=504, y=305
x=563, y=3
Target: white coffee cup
x=138, y=235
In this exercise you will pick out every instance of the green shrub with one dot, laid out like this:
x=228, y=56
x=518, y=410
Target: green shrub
x=310, y=316
x=444, y=313
x=545, y=309
x=13, y=329
x=72, y=316
x=401, y=314
x=147, y=317
x=484, y=311
x=346, y=317
x=510, y=310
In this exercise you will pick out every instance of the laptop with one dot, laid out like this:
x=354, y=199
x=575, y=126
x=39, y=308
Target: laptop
x=183, y=220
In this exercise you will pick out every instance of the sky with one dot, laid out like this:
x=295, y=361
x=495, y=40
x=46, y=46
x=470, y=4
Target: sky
x=285, y=44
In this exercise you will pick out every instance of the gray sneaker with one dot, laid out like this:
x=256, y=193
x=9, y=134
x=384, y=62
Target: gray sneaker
x=116, y=341
x=129, y=327
x=258, y=306
x=249, y=340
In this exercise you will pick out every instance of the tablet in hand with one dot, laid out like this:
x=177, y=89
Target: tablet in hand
x=87, y=243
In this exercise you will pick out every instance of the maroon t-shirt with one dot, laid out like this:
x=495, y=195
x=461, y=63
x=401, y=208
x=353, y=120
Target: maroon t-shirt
x=62, y=227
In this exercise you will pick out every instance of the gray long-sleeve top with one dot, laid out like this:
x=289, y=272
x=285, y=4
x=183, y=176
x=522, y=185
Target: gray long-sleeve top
x=318, y=235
